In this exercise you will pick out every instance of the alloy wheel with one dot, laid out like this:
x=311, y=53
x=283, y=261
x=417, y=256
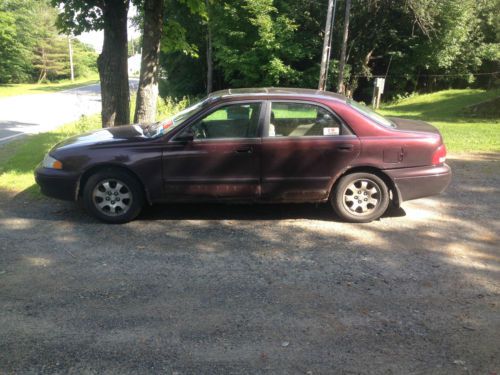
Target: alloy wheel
x=362, y=197
x=112, y=197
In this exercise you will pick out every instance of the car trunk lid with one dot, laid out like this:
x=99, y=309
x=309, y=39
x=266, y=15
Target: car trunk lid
x=414, y=125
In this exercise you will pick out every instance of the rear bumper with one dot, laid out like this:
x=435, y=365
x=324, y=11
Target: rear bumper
x=56, y=183
x=413, y=183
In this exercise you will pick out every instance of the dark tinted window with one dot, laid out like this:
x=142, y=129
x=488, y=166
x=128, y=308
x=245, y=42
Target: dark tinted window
x=301, y=120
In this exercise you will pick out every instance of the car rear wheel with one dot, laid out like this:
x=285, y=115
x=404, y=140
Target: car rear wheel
x=360, y=197
x=113, y=196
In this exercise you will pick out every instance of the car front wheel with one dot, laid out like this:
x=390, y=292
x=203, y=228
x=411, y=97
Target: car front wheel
x=113, y=196
x=360, y=197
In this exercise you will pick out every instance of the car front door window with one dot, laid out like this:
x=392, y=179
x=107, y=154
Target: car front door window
x=229, y=121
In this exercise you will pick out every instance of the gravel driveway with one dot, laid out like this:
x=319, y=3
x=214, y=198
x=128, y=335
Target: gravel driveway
x=279, y=289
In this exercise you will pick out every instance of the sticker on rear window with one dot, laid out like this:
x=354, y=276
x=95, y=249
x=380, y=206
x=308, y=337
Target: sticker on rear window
x=330, y=131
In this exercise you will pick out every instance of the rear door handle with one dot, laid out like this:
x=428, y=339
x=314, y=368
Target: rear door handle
x=346, y=147
x=244, y=150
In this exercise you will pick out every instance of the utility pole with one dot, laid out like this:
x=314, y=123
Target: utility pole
x=72, y=70
x=330, y=44
x=210, y=65
x=327, y=44
x=340, y=84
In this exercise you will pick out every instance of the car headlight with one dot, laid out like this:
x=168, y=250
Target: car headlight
x=50, y=162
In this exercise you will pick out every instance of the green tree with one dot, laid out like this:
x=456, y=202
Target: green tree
x=253, y=43
x=134, y=46
x=31, y=48
x=17, y=39
x=278, y=42
x=13, y=62
x=51, y=59
x=50, y=51
x=84, y=59
x=183, y=69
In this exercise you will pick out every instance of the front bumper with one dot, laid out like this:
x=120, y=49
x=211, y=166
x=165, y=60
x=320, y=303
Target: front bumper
x=413, y=183
x=56, y=183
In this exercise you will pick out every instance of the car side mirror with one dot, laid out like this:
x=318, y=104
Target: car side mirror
x=185, y=136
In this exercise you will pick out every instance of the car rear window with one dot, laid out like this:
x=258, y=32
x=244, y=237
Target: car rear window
x=295, y=119
x=371, y=114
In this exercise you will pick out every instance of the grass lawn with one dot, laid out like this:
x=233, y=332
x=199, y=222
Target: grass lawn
x=443, y=109
x=34, y=88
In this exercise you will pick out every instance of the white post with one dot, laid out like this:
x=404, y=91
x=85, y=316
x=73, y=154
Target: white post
x=71, y=59
x=378, y=90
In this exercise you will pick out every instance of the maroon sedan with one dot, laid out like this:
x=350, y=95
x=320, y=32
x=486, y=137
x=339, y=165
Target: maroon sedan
x=257, y=145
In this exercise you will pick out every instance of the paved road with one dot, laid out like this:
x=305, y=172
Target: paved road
x=29, y=114
x=240, y=289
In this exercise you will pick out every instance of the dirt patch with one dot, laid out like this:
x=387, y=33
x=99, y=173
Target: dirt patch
x=256, y=289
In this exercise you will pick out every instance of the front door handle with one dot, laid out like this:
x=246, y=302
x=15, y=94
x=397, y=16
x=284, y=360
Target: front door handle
x=346, y=147
x=244, y=150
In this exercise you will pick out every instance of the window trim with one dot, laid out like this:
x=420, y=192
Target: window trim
x=211, y=110
x=343, y=126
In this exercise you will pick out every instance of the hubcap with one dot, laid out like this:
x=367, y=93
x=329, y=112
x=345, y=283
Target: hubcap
x=112, y=197
x=362, y=197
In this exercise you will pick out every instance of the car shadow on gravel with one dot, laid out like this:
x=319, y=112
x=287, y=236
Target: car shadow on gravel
x=206, y=211
x=53, y=210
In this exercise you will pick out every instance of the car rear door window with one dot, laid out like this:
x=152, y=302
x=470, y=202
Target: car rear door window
x=230, y=121
x=290, y=119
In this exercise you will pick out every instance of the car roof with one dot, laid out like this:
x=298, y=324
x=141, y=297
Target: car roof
x=275, y=91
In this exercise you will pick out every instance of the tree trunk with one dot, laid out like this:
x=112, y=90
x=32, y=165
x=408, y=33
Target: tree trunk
x=147, y=93
x=112, y=64
x=42, y=76
x=210, y=65
x=323, y=74
x=43, y=69
x=340, y=85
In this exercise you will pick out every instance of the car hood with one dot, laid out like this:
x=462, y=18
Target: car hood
x=413, y=125
x=115, y=134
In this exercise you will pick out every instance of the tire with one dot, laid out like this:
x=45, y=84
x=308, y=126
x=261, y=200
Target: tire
x=113, y=196
x=360, y=197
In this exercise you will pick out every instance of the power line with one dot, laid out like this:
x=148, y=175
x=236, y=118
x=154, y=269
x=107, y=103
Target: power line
x=423, y=75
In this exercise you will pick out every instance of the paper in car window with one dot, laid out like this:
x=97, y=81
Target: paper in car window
x=167, y=124
x=330, y=131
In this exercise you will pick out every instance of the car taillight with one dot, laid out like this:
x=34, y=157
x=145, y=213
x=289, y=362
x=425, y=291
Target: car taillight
x=439, y=156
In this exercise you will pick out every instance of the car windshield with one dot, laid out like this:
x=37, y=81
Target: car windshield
x=165, y=126
x=368, y=112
